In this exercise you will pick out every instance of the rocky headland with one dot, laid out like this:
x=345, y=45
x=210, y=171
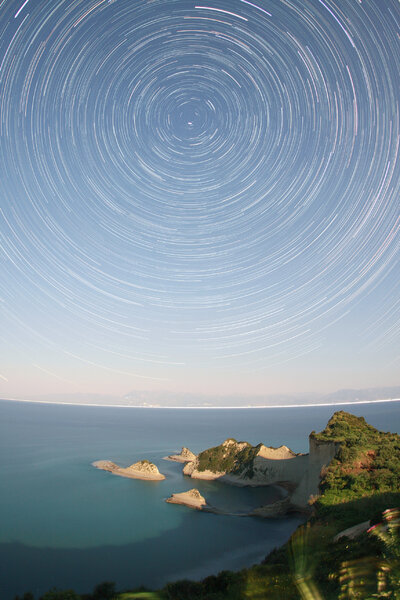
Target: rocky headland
x=240, y=463
x=185, y=455
x=142, y=469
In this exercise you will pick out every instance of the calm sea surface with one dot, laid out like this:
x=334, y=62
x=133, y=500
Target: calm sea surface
x=66, y=524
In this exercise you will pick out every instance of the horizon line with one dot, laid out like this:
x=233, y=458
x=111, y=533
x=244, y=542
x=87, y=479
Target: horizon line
x=308, y=405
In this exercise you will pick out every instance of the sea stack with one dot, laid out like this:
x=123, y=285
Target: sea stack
x=185, y=455
x=143, y=469
x=192, y=499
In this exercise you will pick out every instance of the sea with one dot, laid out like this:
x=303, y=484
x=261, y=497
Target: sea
x=66, y=524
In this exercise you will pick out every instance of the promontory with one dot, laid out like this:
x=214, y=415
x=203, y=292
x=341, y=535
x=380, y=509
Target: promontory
x=241, y=463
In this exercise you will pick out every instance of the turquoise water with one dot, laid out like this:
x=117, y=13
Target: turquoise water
x=67, y=524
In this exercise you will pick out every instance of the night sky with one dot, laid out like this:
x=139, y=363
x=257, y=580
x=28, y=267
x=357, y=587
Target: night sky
x=199, y=197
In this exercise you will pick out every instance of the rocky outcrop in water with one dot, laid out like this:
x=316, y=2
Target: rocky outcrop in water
x=185, y=455
x=192, y=499
x=142, y=469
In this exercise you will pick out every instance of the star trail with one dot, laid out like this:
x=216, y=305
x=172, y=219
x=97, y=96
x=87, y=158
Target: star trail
x=195, y=192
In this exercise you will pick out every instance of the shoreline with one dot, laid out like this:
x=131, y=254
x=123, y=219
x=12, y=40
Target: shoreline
x=246, y=407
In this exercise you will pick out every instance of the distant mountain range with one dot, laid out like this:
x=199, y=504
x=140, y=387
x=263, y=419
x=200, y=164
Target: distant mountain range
x=362, y=395
x=167, y=399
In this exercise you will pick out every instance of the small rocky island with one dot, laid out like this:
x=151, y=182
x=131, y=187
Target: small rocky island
x=185, y=455
x=143, y=469
x=192, y=499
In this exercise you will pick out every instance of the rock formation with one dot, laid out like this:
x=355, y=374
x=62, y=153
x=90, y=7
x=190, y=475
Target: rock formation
x=185, y=456
x=192, y=498
x=242, y=464
x=143, y=469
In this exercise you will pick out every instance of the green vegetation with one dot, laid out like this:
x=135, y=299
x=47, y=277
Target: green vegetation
x=344, y=427
x=360, y=484
x=230, y=457
x=364, y=477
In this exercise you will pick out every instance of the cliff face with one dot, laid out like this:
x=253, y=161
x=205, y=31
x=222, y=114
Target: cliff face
x=320, y=455
x=280, y=470
x=322, y=451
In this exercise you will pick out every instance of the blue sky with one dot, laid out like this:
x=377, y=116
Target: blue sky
x=199, y=197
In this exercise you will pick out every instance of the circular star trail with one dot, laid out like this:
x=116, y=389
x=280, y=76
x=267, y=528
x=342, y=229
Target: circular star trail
x=192, y=183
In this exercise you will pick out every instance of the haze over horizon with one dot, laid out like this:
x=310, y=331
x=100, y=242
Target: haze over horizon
x=200, y=198
x=167, y=399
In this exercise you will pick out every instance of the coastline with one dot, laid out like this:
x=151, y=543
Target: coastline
x=199, y=524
